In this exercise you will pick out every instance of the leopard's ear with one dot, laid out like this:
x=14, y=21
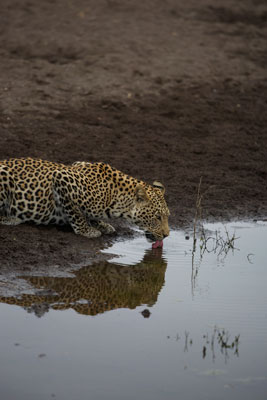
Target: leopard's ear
x=140, y=193
x=159, y=185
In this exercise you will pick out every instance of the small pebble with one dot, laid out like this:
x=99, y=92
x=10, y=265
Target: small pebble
x=146, y=313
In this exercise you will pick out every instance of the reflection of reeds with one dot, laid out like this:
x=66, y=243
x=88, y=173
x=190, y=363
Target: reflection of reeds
x=223, y=338
x=218, y=244
x=186, y=341
x=219, y=339
x=198, y=213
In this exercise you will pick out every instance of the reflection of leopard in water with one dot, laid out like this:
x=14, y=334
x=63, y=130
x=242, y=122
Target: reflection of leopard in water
x=97, y=288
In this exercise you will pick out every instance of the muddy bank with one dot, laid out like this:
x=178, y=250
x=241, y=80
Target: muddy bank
x=161, y=91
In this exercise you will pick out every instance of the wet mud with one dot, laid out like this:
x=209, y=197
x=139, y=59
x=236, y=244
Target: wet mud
x=160, y=90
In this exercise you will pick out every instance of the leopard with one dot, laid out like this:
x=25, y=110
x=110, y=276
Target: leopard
x=84, y=195
x=95, y=289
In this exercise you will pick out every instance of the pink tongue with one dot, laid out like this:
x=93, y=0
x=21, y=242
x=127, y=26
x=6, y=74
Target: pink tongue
x=158, y=243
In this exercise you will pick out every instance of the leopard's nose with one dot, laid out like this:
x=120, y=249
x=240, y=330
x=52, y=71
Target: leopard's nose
x=166, y=232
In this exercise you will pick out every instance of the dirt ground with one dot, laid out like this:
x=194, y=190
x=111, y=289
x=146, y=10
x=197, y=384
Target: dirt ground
x=167, y=90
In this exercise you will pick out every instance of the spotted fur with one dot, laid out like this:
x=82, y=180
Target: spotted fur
x=82, y=195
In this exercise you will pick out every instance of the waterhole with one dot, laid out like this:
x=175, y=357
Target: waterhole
x=188, y=321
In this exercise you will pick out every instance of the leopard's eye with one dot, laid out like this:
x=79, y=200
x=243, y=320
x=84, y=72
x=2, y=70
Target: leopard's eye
x=159, y=217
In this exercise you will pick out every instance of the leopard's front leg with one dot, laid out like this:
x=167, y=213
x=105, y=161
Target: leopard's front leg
x=10, y=220
x=71, y=210
x=79, y=223
x=103, y=227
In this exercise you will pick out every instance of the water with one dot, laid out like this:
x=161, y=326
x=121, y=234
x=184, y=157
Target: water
x=205, y=335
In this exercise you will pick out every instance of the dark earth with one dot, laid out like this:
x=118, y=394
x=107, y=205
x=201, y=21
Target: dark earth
x=167, y=90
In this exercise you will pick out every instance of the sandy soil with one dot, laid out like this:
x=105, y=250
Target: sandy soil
x=168, y=90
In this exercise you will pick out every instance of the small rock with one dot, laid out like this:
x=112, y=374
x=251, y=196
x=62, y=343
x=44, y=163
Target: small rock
x=146, y=313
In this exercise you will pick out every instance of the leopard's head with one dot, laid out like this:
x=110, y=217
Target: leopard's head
x=150, y=211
